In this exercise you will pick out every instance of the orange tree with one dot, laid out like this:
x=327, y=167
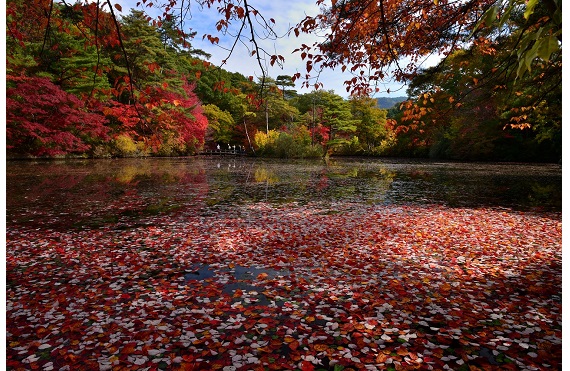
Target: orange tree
x=375, y=39
x=478, y=104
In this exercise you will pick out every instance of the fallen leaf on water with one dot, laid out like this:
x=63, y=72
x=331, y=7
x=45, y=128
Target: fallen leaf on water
x=364, y=285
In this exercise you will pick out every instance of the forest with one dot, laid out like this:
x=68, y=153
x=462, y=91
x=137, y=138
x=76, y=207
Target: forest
x=87, y=83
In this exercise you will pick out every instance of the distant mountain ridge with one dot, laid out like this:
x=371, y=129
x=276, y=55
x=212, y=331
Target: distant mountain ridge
x=389, y=102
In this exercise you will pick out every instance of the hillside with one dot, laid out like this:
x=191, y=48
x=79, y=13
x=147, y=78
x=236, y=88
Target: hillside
x=389, y=102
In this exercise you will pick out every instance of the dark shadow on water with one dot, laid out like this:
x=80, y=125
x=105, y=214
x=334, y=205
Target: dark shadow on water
x=199, y=272
x=243, y=278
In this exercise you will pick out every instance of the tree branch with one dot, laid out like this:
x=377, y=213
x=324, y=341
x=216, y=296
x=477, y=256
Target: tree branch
x=118, y=28
x=257, y=49
x=46, y=34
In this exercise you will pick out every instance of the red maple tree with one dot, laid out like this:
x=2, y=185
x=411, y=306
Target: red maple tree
x=44, y=120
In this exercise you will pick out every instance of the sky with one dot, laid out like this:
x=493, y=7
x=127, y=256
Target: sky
x=286, y=14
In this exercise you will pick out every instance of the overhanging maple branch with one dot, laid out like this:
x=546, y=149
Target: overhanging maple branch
x=120, y=38
x=386, y=36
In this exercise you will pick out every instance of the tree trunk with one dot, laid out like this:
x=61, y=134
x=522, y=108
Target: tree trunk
x=247, y=134
x=267, y=117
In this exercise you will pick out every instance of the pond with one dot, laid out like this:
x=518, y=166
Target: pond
x=94, y=193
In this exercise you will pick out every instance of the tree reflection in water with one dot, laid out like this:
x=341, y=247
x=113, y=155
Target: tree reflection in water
x=91, y=193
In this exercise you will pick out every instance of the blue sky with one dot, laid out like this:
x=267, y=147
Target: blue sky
x=286, y=14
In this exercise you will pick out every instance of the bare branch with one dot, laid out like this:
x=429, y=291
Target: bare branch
x=46, y=34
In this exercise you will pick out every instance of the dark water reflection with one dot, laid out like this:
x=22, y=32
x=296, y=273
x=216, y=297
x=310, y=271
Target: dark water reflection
x=92, y=193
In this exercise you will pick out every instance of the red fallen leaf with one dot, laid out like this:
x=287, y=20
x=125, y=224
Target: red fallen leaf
x=275, y=343
x=294, y=345
x=265, y=349
x=262, y=276
x=359, y=326
x=307, y=366
x=296, y=357
x=438, y=352
x=266, y=320
x=357, y=335
x=381, y=358
x=361, y=343
x=187, y=366
x=41, y=331
x=71, y=357
x=348, y=327
x=402, y=351
x=188, y=358
x=321, y=347
x=444, y=340
x=128, y=348
x=445, y=288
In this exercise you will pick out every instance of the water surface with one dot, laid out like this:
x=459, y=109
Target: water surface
x=93, y=193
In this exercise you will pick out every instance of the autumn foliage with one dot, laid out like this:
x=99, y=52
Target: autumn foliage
x=367, y=38
x=481, y=104
x=69, y=90
x=44, y=120
x=495, y=93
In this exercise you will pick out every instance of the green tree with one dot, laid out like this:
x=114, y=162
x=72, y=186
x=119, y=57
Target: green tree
x=370, y=122
x=221, y=124
x=151, y=64
x=280, y=114
x=284, y=81
x=337, y=117
x=273, y=112
x=76, y=68
x=63, y=55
